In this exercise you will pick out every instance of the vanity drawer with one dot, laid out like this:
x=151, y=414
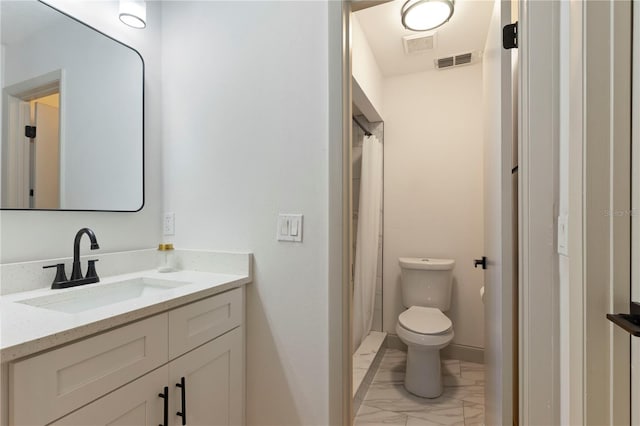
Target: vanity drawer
x=193, y=325
x=48, y=386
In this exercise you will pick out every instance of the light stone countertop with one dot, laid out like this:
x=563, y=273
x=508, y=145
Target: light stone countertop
x=26, y=329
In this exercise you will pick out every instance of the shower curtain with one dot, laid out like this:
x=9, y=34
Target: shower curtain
x=366, y=261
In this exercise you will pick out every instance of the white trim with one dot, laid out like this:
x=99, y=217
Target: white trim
x=573, y=402
x=635, y=208
x=339, y=220
x=37, y=87
x=62, y=135
x=538, y=186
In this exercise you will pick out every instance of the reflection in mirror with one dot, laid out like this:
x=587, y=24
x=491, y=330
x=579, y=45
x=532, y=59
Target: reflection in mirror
x=72, y=121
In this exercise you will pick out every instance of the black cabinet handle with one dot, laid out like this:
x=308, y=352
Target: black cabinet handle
x=165, y=396
x=183, y=389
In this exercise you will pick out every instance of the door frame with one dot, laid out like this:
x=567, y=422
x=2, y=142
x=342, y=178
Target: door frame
x=538, y=196
x=340, y=224
x=635, y=205
x=538, y=134
x=596, y=361
x=36, y=87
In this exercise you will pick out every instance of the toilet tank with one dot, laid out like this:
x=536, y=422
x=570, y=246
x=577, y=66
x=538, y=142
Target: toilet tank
x=426, y=282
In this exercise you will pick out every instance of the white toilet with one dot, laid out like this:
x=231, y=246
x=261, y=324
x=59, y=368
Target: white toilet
x=426, y=292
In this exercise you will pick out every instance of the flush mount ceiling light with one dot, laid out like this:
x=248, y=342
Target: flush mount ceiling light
x=424, y=15
x=133, y=13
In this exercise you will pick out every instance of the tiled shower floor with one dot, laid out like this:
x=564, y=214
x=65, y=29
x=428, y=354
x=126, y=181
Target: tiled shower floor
x=388, y=403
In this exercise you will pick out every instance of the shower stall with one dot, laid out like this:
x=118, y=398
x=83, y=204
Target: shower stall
x=366, y=278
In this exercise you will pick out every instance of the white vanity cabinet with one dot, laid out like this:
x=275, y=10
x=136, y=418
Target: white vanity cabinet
x=119, y=377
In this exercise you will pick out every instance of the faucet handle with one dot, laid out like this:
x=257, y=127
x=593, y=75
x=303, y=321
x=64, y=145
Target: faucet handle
x=61, y=275
x=91, y=270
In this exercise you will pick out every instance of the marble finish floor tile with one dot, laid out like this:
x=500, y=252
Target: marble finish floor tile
x=470, y=370
x=373, y=416
x=388, y=402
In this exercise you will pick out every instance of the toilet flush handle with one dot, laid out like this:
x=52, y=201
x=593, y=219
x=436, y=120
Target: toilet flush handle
x=480, y=262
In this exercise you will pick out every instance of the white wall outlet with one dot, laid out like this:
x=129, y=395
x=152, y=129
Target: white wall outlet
x=289, y=227
x=169, y=224
x=563, y=235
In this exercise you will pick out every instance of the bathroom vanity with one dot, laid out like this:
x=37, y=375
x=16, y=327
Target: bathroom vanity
x=144, y=348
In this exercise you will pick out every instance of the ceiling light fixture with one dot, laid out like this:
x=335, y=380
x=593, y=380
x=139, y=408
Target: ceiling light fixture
x=133, y=13
x=425, y=15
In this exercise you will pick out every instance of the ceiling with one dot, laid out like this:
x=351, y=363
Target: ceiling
x=466, y=31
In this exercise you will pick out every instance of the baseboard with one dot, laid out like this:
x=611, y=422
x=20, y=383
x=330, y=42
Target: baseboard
x=453, y=351
x=463, y=353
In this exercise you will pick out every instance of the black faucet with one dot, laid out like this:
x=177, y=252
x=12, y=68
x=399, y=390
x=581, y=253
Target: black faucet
x=76, y=273
x=60, y=281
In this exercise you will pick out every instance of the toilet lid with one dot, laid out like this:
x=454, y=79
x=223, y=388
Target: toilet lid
x=424, y=320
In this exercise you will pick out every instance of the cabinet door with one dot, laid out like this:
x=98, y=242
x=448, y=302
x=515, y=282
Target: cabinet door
x=135, y=404
x=214, y=382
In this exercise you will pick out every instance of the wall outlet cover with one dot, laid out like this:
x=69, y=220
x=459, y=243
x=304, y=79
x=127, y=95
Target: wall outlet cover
x=169, y=224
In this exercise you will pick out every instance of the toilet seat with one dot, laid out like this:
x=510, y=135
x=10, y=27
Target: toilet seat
x=424, y=342
x=424, y=328
x=423, y=320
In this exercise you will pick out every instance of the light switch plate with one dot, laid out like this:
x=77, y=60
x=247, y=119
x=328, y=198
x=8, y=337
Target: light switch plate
x=289, y=227
x=563, y=235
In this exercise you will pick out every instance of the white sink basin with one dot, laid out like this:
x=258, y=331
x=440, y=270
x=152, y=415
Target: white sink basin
x=87, y=298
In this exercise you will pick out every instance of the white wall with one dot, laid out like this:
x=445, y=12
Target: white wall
x=31, y=235
x=433, y=203
x=245, y=100
x=368, y=87
x=101, y=119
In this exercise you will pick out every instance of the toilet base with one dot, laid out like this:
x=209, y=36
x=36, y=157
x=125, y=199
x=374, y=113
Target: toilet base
x=423, y=376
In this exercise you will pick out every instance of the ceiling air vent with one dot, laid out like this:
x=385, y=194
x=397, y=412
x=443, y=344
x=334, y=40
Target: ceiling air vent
x=458, y=60
x=463, y=59
x=418, y=43
x=444, y=62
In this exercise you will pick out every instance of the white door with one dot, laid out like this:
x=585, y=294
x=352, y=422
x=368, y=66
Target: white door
x=213, y=383
x=136, y=404
x=15, y=156
x=498, y=226
x=46, y=171
x=635, y=218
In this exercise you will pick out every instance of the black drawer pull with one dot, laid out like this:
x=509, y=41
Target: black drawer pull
x=165, y=396
x=183, y=390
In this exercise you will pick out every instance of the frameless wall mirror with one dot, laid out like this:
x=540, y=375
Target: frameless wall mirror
x=72, y=114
